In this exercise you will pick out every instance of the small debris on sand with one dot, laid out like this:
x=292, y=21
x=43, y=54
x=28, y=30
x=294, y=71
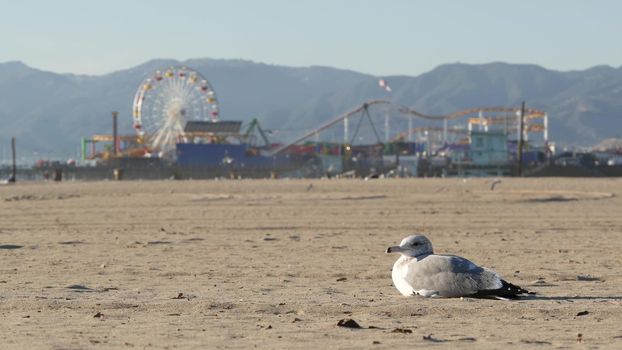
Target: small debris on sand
x=348, y=323
x=79, y=288
x=537, y=342
x=432, y=339
x=180, y=296
x=588, y=278
x=402, y=330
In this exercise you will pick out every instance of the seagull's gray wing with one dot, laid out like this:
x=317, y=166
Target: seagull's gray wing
x=451, y=276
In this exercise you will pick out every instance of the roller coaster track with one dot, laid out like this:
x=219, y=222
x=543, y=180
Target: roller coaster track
x=407, y=111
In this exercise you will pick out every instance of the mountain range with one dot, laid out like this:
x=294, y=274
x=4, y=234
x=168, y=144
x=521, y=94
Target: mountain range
x=48, y=113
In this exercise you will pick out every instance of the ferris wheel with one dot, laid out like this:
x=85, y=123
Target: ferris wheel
x=166, y=101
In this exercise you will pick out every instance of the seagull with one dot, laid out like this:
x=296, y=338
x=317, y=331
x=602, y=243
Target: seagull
x=494, y=183
x=420, y=272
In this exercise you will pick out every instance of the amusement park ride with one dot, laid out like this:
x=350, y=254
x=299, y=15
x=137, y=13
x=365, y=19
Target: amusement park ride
x=435, y=131
x=164, y=106
x=176, y=119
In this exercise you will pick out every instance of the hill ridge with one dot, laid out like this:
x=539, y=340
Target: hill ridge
x=49, y=112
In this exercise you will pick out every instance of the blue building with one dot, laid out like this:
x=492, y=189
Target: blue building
x=489, y=148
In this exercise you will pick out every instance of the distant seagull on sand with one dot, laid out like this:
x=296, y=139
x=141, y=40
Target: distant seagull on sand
x=421, y=272
x=494, y=183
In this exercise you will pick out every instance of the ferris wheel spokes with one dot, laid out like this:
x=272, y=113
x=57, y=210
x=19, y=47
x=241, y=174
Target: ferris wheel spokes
x=166, y=101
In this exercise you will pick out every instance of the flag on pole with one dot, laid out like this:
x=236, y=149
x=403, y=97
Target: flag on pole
x=384, y=85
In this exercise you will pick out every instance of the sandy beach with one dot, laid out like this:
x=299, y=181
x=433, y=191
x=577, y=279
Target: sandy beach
x=275, y=264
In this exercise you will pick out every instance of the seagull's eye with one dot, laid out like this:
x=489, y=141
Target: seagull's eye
x=416, y=244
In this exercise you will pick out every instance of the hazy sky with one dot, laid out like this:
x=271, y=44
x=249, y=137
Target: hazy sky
x=376, y=37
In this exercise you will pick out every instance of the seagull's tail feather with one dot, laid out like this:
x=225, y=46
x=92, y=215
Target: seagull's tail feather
x=507, y=291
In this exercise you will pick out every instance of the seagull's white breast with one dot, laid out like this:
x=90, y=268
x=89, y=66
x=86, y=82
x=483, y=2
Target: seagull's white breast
x=398, y=274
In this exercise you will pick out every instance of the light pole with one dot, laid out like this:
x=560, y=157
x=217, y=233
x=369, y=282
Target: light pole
x=13, y=177
x=115, y=149
x=520, y=139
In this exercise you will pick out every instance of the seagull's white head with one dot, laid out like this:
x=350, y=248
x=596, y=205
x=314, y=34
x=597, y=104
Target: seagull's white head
x=413, y=246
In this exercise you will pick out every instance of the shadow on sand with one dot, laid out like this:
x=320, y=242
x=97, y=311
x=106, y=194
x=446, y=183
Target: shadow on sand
x=10, y=246
x=571, y=298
